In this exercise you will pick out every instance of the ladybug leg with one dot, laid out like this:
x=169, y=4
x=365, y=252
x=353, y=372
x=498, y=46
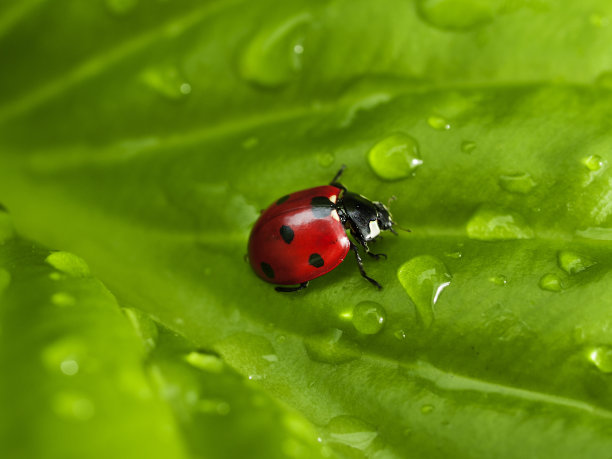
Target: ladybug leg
x=361, y=270
x=302, y=286
x=376, y=256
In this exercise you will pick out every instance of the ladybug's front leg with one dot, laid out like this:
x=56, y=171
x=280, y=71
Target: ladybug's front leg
x=361, y=270
x=376, y=256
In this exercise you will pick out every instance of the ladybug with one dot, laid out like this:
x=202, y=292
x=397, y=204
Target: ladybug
x=303, y=235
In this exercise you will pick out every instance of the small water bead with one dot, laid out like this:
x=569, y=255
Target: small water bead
x=551, y=282
x=573, y=262
x=395, y=157
x=331, y=347
x=439, y=123
x=593, y=162
x=456, y=255
x=69, y=367
x=351, y=431
x=400, y=335
x=517, y=183
x=68, y=263
x=65, y=355
x=456, y=14
x=369, y=317
x=166, y=81
x=467, y=146
x=63, y=299
x=274, y=56
x=499, y=279
x=121, y=7
x=601, y=357
x=493, y=224
x=424, y=278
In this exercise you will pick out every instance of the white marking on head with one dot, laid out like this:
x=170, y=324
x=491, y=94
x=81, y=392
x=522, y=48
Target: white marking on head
x=333, y=198
x=334, y=215
x=374, y=230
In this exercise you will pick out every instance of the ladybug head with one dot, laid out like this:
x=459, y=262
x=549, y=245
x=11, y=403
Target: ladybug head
x=365, y=218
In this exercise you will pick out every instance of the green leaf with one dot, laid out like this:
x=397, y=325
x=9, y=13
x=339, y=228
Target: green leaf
x=158, y=131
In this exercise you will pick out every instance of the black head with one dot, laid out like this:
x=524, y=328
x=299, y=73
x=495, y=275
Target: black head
x=365, y=218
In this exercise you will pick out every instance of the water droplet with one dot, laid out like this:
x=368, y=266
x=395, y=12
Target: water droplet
x=121, y=7
x=551, y=282
x=593, y=162
x=69, y=367
x=5, y=280
x=599, y=20
x=369, y=317
x=166, y=81
x=424, y=277
x=248, y=353
x=396, y=157
x=426, y=409
x=274, y=56
x=439, y=123
x=499, y=279
x=325, y=159
x=517, y=183
x=350, y=431
x=467, y=146
x=456, y=255
x=456, y=14
x=601, y=357
x=572, y=262
x=63, y=299
x=144, y=325
x=400, y=334
x=72, y=405
x=64, y=355
x=250, y=143
x=331, y=347
x=68, y=263
x=491, y=224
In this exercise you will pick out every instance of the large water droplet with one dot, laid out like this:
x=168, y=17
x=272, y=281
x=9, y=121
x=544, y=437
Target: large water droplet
x=492, y=224
x=145, y=327
x=517, y=183
x=424, y=277
x=551, y=282
x=166, y=81
x=369, y=317
x=350, y=431
x=573, y=262
x=395, y=157
x=601, y=357
x=72, y=405
x=456, y=14
x=121, y=7
x=274, y=56
x=331, y=347
x=68, y=263
x=439, y=123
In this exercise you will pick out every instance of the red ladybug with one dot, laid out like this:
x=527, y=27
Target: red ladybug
x=303, y=234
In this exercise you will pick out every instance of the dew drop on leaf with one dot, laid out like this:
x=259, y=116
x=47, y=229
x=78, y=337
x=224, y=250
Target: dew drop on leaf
x=601, y=357
x=369, y=317
x=331, y=347
x=573, y=262
x=593, y=162
x=400, y=335
x=456, y=14
x=395, y=157
x=424, y=278
x=350, y=431
x=167, y=82
x=517, y=183
x=551, y=282
x=274, y=55
x=499, y=279
x=439, y=123
x=68, y=263
x=468, y=146
x=493, y=224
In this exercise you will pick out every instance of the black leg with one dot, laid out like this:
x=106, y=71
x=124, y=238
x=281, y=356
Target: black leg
x=376, y=256
x=302, y=286
x=337, y=176
x=361, y=270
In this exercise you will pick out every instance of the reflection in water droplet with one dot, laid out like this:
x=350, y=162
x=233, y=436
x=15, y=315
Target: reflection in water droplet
x=467, y=146
x=573, y=262
x=601, y=357
x=331, y=347
x=274, y=56
x=491, y=224
x=350, y=431
x=395, y=157
x=499, y=279
x=439, y=123
x=593, y=162
x=424, y=277
x=68, y=263
x=72, y=405
x=325, y=159
x=369, y=317
x=551, y=282
x=166, y=81
x=121, y=7
x=63, y=299
x=426, y=409
x=517, y=183
x=456, y=14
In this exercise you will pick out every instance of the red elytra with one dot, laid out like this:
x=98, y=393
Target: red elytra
x=296, y=240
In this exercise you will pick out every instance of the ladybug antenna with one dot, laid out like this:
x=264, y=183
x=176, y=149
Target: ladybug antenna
x=390, y=200
x=338, y=174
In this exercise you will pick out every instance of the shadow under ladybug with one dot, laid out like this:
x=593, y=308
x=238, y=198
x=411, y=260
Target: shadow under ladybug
x=303, y=235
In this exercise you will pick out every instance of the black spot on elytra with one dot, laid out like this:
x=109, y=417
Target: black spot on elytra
x=267, y=269
x=315, y=260
x=321, y=206
x=287, y=234
x=283, y=199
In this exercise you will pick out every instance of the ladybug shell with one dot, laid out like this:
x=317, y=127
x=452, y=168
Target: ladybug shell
x=299, y=237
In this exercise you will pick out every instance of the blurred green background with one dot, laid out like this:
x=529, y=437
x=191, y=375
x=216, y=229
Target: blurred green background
x=139, y=141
